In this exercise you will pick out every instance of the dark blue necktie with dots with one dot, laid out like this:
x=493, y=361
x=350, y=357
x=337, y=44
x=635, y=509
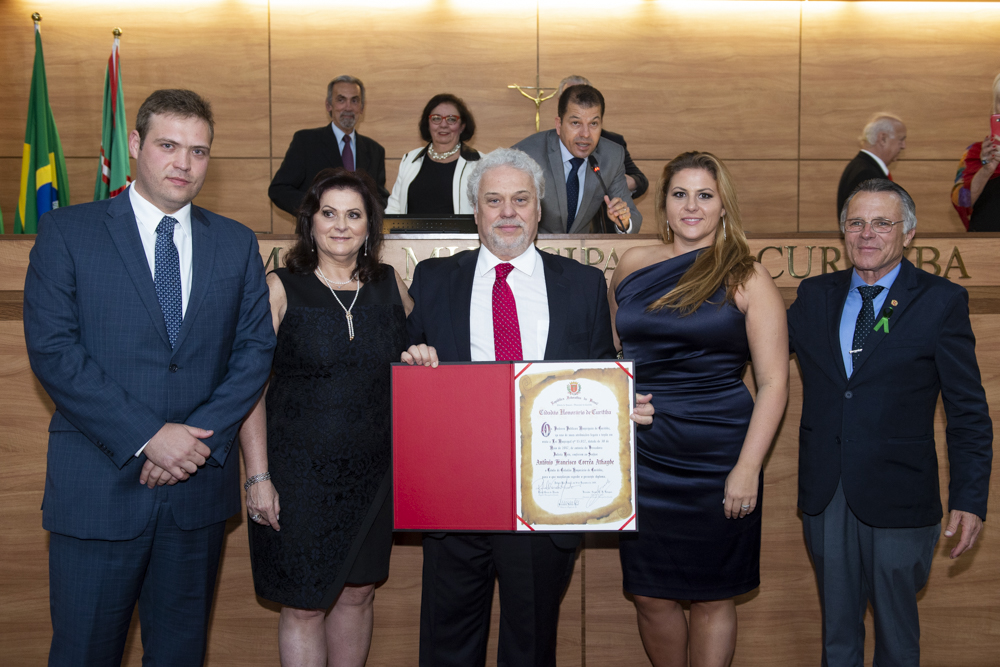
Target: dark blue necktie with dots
x=168, y=277
x=572, y=191
x=866, y=319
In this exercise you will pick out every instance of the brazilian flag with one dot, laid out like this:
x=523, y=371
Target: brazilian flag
x=44, y=185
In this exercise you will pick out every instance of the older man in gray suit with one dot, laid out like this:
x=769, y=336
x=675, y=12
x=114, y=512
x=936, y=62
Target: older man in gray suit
x=581, y=171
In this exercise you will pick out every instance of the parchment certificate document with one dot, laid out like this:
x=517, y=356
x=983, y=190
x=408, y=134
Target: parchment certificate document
x=574, y=445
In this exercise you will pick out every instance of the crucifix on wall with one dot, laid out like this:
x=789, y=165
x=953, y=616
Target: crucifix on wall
x=538, y=98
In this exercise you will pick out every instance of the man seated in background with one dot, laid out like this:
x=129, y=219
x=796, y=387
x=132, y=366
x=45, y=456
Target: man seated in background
x=634, y=178
x=883, y=138
x=581, y=171
x=334, y=145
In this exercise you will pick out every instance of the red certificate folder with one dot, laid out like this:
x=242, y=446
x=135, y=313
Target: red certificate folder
x=453, y=447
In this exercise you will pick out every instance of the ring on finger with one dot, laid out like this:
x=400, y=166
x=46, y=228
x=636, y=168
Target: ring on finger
x=746, y=507
x=255, y=517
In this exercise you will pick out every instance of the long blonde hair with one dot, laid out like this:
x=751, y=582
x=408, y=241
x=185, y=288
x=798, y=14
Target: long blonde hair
x=727, y=261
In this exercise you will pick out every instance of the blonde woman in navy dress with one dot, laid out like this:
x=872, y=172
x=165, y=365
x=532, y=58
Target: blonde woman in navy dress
x=691, y=312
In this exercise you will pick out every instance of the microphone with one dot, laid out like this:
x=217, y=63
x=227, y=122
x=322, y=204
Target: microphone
x=592, y=163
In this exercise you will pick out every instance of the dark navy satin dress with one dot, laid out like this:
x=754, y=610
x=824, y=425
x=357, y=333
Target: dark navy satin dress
x=685, y=547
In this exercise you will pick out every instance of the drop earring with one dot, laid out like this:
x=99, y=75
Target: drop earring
x=723, y=226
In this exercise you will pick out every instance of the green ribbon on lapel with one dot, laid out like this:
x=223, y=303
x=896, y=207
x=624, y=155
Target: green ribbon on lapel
x=884, y=322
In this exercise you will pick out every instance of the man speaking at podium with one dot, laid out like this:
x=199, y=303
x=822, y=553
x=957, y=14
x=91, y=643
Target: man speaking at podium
x=505, y=301
x=584, y=176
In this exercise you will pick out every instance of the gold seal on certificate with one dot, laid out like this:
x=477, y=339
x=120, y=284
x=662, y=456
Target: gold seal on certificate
x=575, y=453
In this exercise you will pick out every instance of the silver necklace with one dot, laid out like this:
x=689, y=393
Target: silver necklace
x=347, y=311
x=442, y=156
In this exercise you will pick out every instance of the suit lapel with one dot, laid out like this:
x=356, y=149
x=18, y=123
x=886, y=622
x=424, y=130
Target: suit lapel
x=835, y=297
x=329, y=140
x=202, y=262
x=361, y=153
x=124, y=232
x=900, y=292
x=460, y=301
x=581, y=225
x=556, y=166
x=556, y=289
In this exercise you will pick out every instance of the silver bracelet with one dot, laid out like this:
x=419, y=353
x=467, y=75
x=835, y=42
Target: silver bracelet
x=256, y=478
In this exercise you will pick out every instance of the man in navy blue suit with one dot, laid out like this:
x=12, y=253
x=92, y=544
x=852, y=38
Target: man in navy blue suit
x=146, y=320
x=877, y=345
x=504, y=301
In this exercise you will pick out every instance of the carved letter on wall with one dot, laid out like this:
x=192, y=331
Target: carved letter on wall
x=275, y=257
x=955, y=261
x=771, y=247
x=588, y=260
x=791, y=261
x=932, y=261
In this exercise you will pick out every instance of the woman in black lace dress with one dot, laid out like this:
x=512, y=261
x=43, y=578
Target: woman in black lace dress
x=320, y=436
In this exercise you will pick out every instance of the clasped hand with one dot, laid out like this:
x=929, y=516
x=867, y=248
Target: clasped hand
x=174, y=454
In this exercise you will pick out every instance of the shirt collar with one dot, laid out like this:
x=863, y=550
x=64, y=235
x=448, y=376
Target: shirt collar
x=339, y=133
x=885, y=281
x=885, y=169
x=149, y=216
x=525, y=262
x=566, y=155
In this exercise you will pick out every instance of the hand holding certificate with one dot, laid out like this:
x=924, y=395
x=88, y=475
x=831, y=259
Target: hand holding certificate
x=514, y=446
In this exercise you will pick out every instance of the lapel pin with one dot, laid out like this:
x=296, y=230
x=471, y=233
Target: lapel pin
x=895, y=303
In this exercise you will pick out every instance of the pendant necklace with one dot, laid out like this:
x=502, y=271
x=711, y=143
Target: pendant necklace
x=347, y=311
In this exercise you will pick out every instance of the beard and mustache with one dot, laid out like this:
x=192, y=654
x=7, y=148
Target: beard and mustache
x=507, y=245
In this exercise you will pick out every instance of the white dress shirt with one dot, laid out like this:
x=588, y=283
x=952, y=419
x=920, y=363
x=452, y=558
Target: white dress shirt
x=883, y=165
x=148, y=218
x=582, y=175
x=527, y=282
x=340, y=134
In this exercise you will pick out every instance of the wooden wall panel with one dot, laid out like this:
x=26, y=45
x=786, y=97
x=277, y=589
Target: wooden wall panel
x=239, y=187
x=924, y=62
x=653, y=63
x=928, y=182
x=166, y=44
x=416, y=51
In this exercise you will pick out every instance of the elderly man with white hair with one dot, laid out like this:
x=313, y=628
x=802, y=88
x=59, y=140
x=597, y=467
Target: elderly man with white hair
x=883, y=138
x=504, y=301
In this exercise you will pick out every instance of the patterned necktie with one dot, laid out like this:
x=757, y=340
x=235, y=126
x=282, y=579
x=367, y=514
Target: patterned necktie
x=168, y=277
x=347, y=156
x=866, y=319
x=506, y=329
x=572, y=191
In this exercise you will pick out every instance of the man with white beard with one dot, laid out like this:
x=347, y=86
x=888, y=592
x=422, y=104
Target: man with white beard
x=505, y=301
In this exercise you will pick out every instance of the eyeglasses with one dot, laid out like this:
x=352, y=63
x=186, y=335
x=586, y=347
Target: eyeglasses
x=451, y=121
x=879, y=225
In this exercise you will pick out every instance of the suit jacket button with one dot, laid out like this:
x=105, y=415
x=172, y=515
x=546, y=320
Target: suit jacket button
x=173, y=368
x=848, y=394
x=837, y=440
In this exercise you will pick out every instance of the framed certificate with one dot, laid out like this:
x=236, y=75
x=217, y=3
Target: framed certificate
x=522, y=446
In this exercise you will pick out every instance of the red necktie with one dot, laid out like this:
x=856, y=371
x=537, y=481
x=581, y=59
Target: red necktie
x=506, y=330
x=347, y=155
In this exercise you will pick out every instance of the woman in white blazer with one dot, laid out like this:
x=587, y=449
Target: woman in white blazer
x=432, y=180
